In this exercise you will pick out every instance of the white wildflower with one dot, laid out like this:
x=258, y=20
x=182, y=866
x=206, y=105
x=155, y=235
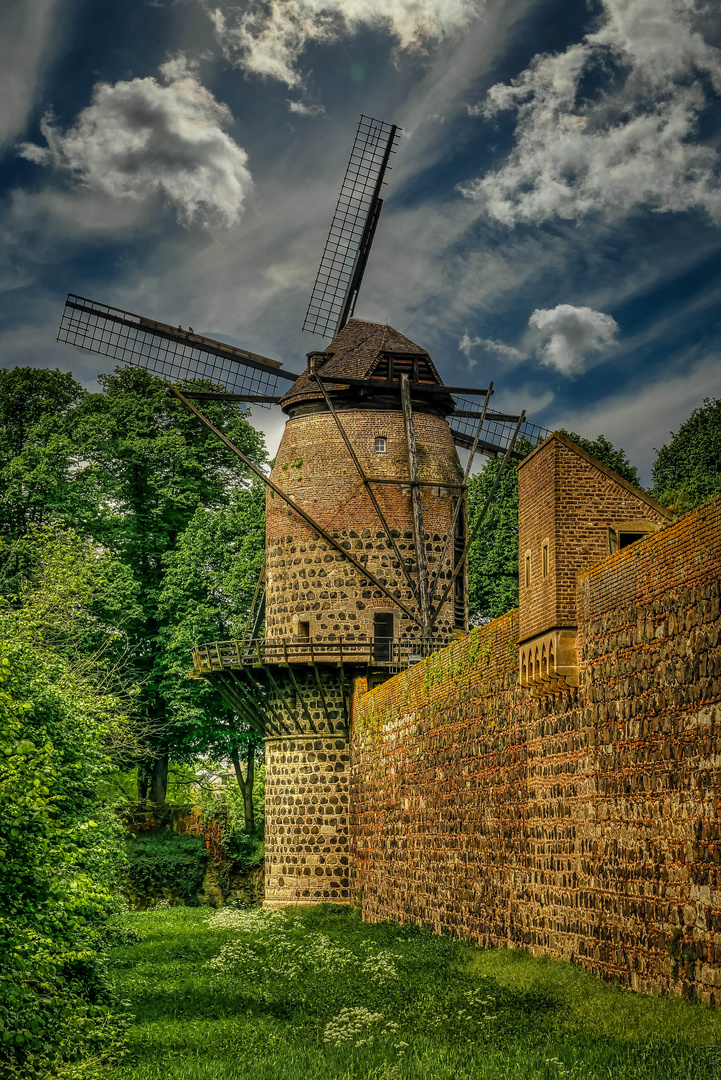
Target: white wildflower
x=350, y=1025
x=380, y=964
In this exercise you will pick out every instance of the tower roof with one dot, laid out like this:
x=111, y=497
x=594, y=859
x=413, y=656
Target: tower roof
x=363, y=350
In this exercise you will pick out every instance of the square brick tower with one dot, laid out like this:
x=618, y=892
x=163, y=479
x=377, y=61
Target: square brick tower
x=573, y=512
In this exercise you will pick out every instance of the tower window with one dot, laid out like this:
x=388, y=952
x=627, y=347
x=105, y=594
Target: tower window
x=383, y=636
x=303, y=629
x=544, y=558
x=528, y=569
x=380, y=444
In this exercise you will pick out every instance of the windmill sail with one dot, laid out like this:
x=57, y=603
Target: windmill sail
x=496, y=431
x=351, y=233
x=165, y=350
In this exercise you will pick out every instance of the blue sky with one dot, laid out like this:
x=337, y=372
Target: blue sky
x=552, y=221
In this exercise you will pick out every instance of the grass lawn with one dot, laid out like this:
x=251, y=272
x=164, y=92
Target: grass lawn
x=315, y=994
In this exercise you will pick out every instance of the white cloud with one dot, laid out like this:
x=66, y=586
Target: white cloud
x=642, y=416
x=25, y=37
x=141, y=138
x=572, y=332
x=467, y=344
x=302, y=109
x=268, y=36
x=629, y=143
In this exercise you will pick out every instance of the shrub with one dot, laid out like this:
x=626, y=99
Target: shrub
x=166, y=861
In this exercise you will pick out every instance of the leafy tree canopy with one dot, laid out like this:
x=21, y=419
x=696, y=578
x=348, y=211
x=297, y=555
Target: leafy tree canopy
x=60, y=728
x=37, y=449
x=687, y=470
x=210, y=580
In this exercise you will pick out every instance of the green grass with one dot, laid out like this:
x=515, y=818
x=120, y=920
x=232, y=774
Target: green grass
x=461, y=1013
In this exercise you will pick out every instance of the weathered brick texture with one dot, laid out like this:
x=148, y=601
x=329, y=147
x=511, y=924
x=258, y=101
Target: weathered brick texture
x=584, y=825
x=569, y=501
x=308, y=580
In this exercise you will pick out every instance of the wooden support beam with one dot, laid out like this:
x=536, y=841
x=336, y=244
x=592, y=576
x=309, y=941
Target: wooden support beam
x=298, y=693
x=366, y=485
x=421, y=483
x=279, y=692
x=417, y=509
x=277, y=718
x=300, y=512
x=343, y=694
x=226, y=686
x=319, y=684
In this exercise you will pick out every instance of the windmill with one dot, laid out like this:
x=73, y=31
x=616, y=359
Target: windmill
x=366, y=534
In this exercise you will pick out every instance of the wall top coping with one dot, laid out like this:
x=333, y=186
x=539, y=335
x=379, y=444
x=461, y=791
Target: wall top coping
x=639, y=493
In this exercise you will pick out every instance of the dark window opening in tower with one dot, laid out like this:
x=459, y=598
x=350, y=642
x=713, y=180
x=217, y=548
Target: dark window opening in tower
x=303, y=629
x=459, y=589
x=383, y=637
x=381, y=444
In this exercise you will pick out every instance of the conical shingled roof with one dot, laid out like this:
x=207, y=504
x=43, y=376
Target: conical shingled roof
x=356, y=352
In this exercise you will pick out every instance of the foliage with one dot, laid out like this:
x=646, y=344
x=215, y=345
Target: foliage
x=687, y=470
x=493, y=557
x=38, y=453
x=128, y=468
x=166, y=861
x=210, y=580
x=149, y=466
x=62, y=732
x=244, y=849
x=316, y=994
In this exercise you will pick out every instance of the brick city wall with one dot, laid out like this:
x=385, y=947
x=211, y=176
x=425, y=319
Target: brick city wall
x=585, y=824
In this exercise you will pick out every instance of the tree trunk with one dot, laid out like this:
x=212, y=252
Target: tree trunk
x=159, y=780
x=143, y=783
x=245, y=783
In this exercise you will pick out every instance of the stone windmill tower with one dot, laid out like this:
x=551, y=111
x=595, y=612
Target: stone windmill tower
x=365, y=530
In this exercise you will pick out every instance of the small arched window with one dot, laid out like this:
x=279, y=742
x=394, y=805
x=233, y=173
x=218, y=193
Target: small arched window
x=381, y=444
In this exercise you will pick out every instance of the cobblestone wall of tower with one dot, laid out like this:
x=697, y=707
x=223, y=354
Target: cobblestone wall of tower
x=306, y=793
x=308, y=580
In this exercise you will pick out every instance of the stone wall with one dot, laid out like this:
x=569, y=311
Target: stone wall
x=306, y=821
x=585, y=824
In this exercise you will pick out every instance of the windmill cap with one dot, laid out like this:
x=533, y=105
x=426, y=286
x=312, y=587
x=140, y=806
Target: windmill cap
x=357, y=352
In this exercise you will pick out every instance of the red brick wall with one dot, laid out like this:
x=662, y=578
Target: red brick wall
x=584, y=825
x=572, y=501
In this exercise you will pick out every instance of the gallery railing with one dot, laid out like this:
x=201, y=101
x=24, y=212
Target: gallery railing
x=251, y=652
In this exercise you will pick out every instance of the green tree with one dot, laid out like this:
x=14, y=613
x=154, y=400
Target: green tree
x=493, y=558
x=149, y=465
x=687, y=470
x=210, y=579
x=60, y=637
x=37, y=454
